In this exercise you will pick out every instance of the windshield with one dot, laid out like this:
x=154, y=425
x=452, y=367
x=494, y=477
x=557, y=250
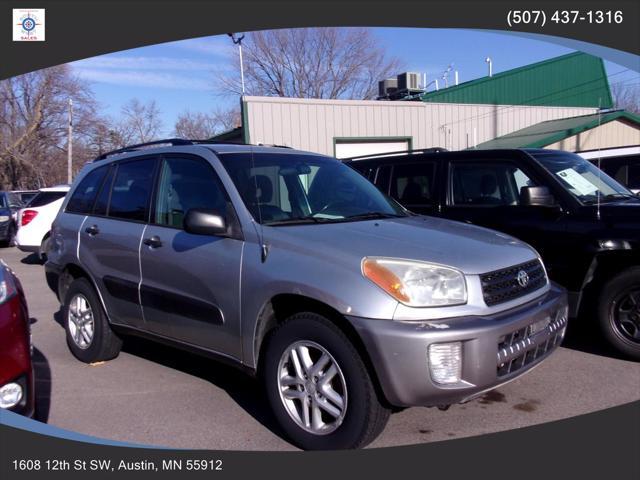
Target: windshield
x=583, y=179
x=281, y=189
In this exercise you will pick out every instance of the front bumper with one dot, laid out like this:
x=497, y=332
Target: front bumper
x=495, y=350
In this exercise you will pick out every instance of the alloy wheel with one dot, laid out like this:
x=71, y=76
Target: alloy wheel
x=80, y=320
x=312, y=387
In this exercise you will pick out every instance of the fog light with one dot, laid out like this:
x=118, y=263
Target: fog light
x=445, y=362
x=10, y=395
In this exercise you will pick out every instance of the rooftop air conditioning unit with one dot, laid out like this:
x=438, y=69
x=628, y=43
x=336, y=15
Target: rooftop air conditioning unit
x=409, y=81
x=387, y=87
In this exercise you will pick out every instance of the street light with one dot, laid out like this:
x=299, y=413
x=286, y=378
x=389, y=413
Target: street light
x=238, y=41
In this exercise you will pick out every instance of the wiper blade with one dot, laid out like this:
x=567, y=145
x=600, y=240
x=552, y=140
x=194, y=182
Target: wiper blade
x=373, y=215
x=621, y=195
x=293, y=221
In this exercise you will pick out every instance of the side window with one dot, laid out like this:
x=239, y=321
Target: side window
x=131, y=189
x=102, y=201
x=633, y=176
x=486, y=184
x=383, y=178
x=85, y=194
x=412, y=184
x=187, y=183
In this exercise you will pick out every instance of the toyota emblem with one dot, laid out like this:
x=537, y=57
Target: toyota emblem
x=523, y=278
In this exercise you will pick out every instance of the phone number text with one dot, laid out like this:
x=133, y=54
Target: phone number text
x=541, y=17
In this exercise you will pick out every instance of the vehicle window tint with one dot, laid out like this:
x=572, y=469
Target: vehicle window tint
x=383, y=178
x=84, y=195
x=187, y=183
x=412, y=184
x=633, y=176
x=45, y=198
x=102, y=201
x=131, y=190
x=487, y=183
x=14, y=200
x=3, y=201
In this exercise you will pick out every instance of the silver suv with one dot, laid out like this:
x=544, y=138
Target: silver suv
x=293, y=267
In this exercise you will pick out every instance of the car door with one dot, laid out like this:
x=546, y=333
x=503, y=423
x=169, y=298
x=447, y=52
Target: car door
x=414, y=186
x=110, y=237
x=191, y=283
x=486, y=192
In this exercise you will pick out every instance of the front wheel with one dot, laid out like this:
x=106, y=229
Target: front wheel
x=319, y=388
x=619, y=312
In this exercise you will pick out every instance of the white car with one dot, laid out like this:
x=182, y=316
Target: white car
x=34, y=221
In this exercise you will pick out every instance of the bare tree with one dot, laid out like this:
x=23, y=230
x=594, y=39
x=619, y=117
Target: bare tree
x=312, y=63
x=199, y=125
x=140, y=123
x=33, y=125
x=626, y=96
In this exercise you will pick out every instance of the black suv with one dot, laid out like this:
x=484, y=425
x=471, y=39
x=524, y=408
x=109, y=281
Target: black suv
x=585, y=225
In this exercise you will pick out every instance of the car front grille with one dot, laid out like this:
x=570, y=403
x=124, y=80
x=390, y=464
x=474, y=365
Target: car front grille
x=525, y=345
x=503, y=285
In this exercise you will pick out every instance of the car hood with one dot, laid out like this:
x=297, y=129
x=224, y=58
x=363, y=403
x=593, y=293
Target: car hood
x=468, y=248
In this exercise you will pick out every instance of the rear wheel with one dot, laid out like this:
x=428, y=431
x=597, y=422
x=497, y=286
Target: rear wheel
x=319, y=388
x=44, y=246
x=619, y=312
x=89, y=334
x=11, y=236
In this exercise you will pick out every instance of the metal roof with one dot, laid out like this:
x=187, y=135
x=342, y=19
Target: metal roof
x=552, y=131
x=573, y=80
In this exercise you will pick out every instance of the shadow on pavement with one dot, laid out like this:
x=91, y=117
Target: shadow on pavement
x=245, y=390
x=42, y=373
x=32, y=259
x=584, y=336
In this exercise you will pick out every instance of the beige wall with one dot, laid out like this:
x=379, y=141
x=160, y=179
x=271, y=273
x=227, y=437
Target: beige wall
x=610, y=135
x=313, y=124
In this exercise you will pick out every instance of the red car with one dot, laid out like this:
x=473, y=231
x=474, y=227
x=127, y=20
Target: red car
x=16, y=371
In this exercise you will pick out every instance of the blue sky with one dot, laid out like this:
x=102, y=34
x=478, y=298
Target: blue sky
x=181, y=75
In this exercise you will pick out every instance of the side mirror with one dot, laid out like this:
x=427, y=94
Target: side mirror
x=200, y=221
x=537, y=196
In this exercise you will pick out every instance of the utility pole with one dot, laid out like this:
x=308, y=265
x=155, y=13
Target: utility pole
x=238, y=41
x=70, y=145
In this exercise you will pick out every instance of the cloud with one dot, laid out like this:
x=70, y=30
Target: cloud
x=143, y=63
x=145, y=79
x=218, y=46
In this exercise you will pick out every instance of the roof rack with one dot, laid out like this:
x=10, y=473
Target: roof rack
x=167, y=141
x=399, y=152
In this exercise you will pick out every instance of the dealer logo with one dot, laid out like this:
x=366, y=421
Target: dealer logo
x=28, y=24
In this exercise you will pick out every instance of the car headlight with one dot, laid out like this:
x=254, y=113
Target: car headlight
x=4, y=218
x=416, y=284
x=10, y=395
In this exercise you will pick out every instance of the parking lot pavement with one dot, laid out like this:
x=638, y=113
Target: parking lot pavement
x=157, y=395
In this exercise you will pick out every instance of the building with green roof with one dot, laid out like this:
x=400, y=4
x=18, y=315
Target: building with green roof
x=574, y=80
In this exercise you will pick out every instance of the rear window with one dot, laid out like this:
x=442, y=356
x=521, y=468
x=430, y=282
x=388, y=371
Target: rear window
x=85, y=194
x=45, y=198
x=131, y=190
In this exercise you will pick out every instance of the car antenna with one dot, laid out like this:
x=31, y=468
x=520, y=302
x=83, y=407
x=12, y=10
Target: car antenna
x=264, y=249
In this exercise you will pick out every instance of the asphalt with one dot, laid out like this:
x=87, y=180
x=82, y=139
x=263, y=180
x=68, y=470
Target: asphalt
x=156, y=395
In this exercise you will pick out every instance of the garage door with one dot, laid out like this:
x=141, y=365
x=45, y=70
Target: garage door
x=350, y=148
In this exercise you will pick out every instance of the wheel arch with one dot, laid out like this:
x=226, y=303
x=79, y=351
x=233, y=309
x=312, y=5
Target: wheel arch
x=282, y=306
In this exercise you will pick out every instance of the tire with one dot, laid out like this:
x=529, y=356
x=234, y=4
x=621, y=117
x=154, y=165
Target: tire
x=11, y=236
x=363, y=416
x=94, y=341
x=42, y=251
x=619, y=312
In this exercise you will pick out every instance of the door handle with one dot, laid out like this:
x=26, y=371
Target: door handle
x=153, y=242
x=92, y=230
